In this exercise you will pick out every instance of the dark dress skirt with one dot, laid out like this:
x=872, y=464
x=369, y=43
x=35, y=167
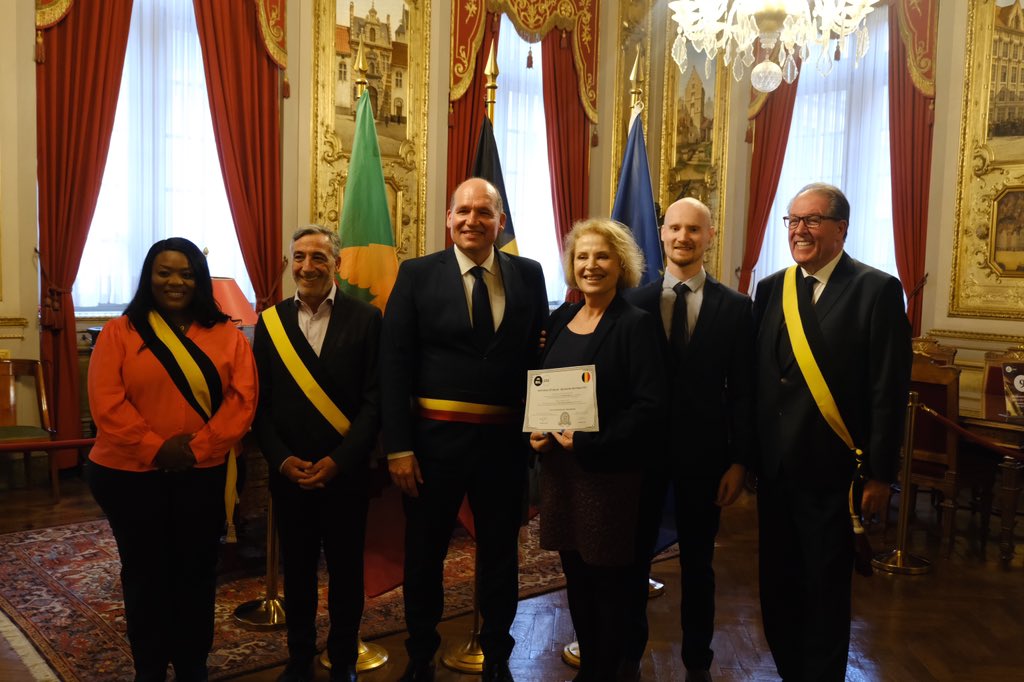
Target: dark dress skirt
x=593, y=513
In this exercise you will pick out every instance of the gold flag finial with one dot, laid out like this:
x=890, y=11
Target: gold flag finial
x=491, y=88
x=360, y=69
x=636, y=79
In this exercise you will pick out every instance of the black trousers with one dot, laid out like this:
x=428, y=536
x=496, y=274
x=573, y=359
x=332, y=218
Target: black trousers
x=600, y=602
x=697, y=520
x=332, y=518
x=487, y=463
x=806, y=564
x=168, y=528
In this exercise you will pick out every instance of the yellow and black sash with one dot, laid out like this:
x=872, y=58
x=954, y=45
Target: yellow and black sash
x=467, y=413
x=305, y=380
x=816, y=380
x=196, y=377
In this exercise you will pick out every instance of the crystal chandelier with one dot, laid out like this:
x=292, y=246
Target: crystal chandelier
x=745, y=31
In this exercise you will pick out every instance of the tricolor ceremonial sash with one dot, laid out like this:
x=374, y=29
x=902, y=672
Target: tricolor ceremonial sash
x=468, y=413
x=196, y=377
x=816, y=380
x=301, y=374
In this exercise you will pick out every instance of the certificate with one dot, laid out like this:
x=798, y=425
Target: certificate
x=562, y=399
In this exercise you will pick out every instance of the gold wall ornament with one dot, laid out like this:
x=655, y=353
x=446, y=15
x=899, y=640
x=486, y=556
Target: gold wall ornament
x=694, y=139
x=988, y=251
x=634, y=34
x=399, y=95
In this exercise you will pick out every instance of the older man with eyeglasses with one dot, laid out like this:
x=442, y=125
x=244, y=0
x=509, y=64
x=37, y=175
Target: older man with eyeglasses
x=834, y=316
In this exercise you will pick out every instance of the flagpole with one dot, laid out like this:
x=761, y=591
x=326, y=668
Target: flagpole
x=467, y=655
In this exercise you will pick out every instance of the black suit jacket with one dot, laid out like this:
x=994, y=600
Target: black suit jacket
x=427, y=347
x=632, y=389
x=286, y=422
x=860, y=336
x=712, y=388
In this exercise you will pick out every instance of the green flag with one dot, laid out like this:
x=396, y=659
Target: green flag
x=368, y=261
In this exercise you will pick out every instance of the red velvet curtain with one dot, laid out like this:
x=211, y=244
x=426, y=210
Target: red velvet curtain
x=244, y=87
x=77, y=85
x=911, y=118
x=771, y=135
x=467, y=115
x=568, y=138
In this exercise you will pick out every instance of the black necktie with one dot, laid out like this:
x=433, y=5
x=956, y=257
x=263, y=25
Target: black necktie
x=483, y=321
x=680, y=334
x=809, y=282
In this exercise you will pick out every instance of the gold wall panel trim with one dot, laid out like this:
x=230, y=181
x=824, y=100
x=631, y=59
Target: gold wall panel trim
x=987, y=282
x=634, y=30
x=1008, y=339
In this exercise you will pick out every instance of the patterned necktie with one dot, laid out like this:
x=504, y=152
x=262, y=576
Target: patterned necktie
x=483, y=320
x=680, y=334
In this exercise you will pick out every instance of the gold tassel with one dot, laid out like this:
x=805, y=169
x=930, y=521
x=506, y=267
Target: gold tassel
x=529, y=58
x=40, y=48
x=286, y=88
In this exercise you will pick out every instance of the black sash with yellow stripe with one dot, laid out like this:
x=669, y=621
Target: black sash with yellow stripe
x=196, y=377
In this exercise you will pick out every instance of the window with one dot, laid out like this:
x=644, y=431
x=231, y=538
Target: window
x=840, y=135
x=162, y=177
x=343, y=71
x=398, y=79
x=373, y=35
x=519, y=131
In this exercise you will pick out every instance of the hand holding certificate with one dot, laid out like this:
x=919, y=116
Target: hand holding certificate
x=561, y=399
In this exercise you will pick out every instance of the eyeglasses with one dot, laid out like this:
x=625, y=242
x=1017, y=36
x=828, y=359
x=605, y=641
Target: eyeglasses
x=811, y=221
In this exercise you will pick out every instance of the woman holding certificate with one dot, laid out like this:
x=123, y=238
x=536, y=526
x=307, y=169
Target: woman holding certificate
x=591, y=481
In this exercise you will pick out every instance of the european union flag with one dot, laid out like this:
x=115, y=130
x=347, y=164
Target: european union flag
x=487, y=165
x=634, y=202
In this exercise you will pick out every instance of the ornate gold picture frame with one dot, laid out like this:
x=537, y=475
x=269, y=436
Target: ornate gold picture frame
x=694, y=138
x=395, y=35
x=988, y=255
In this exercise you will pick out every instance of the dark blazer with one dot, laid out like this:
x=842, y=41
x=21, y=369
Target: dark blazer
x=427, y=347
x=860, y=336
x=712, y=387
x=632, y=389
x=286, y=422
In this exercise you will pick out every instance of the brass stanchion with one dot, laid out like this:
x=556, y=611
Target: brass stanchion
x=899, y=560
x=467, y=656
x=371, y=657
x=571, y=654
x=267, y=613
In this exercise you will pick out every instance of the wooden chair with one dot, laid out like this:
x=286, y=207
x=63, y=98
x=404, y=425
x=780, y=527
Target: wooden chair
x=12, y=431
x=934, y=351
x=935, y=452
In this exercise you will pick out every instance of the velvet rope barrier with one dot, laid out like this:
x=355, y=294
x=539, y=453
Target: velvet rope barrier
x=980, y=440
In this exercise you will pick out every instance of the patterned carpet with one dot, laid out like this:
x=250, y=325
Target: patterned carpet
x=61, y=587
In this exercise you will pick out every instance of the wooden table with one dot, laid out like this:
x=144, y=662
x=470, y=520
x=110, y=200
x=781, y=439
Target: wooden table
x=1009, y=435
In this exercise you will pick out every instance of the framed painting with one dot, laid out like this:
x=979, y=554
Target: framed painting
x=988, y=256
x=694, y=137
x=395, y=38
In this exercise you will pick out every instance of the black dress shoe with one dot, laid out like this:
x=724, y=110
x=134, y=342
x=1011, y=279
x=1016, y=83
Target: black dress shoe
x=344, y=674
x=497, y=672
x=418, y=672
x=698, y=676
x=297, y=671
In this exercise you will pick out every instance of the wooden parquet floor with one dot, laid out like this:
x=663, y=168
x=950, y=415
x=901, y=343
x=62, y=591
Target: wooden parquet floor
x=963, y=621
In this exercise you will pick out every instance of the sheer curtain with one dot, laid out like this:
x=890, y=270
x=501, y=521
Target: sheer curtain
x=519, y=132
x=840, y=135
x=162, y=176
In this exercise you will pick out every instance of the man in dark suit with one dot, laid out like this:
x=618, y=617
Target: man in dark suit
x=318, y=460
x=856, y=326
x=461, y=329
x=710, y=343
